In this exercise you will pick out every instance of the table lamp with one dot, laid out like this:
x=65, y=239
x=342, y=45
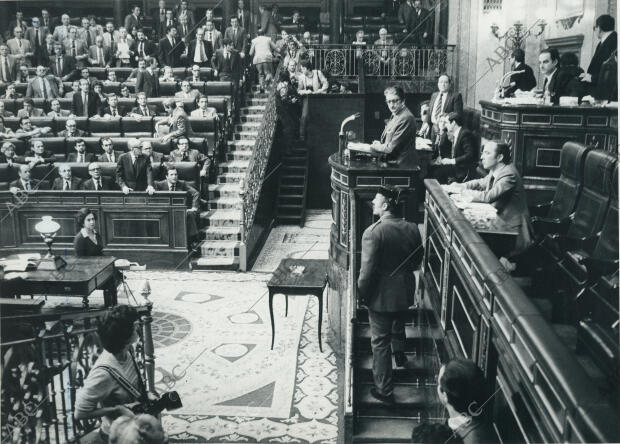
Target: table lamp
x=48, y=228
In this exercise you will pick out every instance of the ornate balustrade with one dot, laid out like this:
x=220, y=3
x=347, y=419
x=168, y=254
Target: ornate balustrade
x=45, y=360
x=392, y=61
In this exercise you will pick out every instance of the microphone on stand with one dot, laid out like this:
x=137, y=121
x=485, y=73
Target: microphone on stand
x=342, y=136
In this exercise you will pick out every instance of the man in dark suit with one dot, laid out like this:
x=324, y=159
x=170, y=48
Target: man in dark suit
x=109, y=154
x=158, y=17
x=237, y=36
x=422, y=25
x=226, y=62
x=99, y=54
x=169, y=21
x=398, y=137
x=66, y=182
x=168, y=57
x=183, y=13
x=461, y=386
x=97, y=181
x=112, y=110
x=133, y=170
x=63, y=66
x=444, y=101
x=143, y=49
x=155, y=157
x=243, y=15
x=391, y=251
x=85, y=103
x=133, y=20
x=46, y=52
x=80, y=155
x=147, y=80
x=184, y=154
x=198, y=52
x=502, y=188
x=8, y=65
x=25, y=182
x=38, y=154
x=213, y=38
x=406, y=15
x=184, y=30
x=524, y=81
x=608, y=43
x=459, y=159
x=557, y=83
x=142, y=110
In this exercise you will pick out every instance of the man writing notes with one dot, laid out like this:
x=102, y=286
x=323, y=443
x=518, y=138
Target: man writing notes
x=398, y=138
x=391, y=251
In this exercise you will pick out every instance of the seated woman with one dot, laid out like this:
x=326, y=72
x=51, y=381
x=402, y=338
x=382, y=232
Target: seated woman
x=168, y=75
x=114, y=383
x=5, y=131
x=88, y=241
x=310, y=80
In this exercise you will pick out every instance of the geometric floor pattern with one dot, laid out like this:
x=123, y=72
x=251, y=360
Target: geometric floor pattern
x=221, y=320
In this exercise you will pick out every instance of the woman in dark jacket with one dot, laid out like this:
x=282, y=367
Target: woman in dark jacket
x=87, y=241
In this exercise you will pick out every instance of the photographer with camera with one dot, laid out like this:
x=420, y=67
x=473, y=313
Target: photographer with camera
x=114, y=386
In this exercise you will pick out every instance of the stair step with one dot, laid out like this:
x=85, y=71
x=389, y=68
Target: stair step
x=221, y=233
x=234, y=166
x=289, y=206
x=221, y=218
x=215, y=263
x=290, y=185
x=418, y=367
x=243, y=145
x=406, y=396
x=248, y=126
x=253, y=109
x=246, y=135
x=224, y=190
x=290, y=196
x=239, y=155
x=419, y=339
x=225, y=203
x=257, y=101
x=293, y=169
x=213, y=248
x=383, y=430
x=230, y=177
x=251, y=118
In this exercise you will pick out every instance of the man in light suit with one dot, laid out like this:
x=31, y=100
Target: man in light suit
x=134, y=171
x=8, y=65
x=237, y=36
x=100, y=55
x=184, y=154
x=29, y=110
x=61, y=32
x=444, y=101
x=502, y=188
x=43, y=86
x=20, y=47
x=97, y=181
x=391, y=251
x=66, y=181
x=110, y=37
x=93, y=102
x=87, y=33
x=457, y=160
x=57, y=111
x=398, y=138
x=76, y=48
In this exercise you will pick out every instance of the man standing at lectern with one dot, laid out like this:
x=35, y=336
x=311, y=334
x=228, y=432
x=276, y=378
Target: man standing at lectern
x=398, y=138
x=391, y=251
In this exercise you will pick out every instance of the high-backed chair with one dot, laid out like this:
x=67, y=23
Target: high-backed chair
x=567, y=191
x=98, y=72
x=157, y=102
x=21, y=88
x=200, y=86
x=20, y=145
x=188, y=171
x=220, y=104
x=45, y=173
x=56, y=145
x=132, y=127
x=8, y=173
x=9, y=105
x=189, y=105
x=126, y=103
x=42, y=122
x=120, y=143
x=219, y=88
x=11, y=122
x=179, y=72
x=106, y=127
x=65, y=103
x=122, y=73
x=40, y=103
x=206, y=128
x=112, y=87
x=167, y=89
x=159, y=146
x=206, y=74
x=197, y=143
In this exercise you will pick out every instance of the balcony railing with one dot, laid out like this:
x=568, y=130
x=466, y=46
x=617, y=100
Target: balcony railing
x=392, y=61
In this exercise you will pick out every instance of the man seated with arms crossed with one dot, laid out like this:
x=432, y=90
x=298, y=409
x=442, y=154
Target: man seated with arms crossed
x=203, y=110
x=80, y=155
x=97, y=181
x=133, y=170
x=173, y=183
x=25, y=182
x=502, y=188
x=398, y=138
x=66, y=182
x=29, y=110
x=27, y=130
x=71, y=130
x=184, y=154
x=38, y=154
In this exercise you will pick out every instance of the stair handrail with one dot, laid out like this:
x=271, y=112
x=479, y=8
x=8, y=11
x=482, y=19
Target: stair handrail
x=254, y=178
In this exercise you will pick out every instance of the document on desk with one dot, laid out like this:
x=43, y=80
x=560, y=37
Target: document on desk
x=423, y=144
x=360, y=147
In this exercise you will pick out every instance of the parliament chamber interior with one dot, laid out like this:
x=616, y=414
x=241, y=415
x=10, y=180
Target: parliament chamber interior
x=328, y=221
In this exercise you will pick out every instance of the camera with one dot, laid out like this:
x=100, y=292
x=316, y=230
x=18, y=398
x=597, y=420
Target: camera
x=167, y=401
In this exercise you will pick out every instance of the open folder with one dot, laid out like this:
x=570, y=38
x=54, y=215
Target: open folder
x=360, y=147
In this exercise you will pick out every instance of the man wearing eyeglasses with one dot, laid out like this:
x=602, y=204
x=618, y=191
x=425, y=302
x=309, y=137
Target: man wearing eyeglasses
x=184, y=154
x=97, y=181
x=398, y=138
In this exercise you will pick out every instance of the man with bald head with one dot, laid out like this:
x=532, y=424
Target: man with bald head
x=61, y=32
x=25, y=182
x=20, y=47
x=99, y=55
x=43, y=86
x=133, y=170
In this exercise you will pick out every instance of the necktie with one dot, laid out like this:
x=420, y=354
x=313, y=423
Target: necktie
x=19, y=43
x=145, y=111
x=184, y=158
x=184, y=30
x=28, y=186
x=235, y=35
x=100, y=56
x=99, y=186
x=6, y=76
x=491, y=181
x=59, y=66
x=73, y=50
x=437, y=108
x=85, y=100
x=37, y=42
x=88, y=39
x=43, y=88
x=67, y=186
x=113, y=112
x=172, y=187
x=96, y=182
x=169, y=23
x=81, y=158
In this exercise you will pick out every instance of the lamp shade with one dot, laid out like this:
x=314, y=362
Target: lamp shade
x=47, y=226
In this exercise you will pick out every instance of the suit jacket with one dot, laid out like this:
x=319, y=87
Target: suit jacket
x=602, y=52
x=216, y=39
x=191, y=20
x=61, y=113
x=158, y=21
x=156, y=157
x=68, y=67
x=34, y=185
x=399, y=136
x=106, y=110
x=78, y=133
x=138, y=110
x=88, y=157
x=147, y=83
x=391, y=251
x=524, y=81
x=106, y=184
x=105, y=158
x=15, y=49
x=239, y=41
x=168, y=58
x=243, y=17
x=227, y=68
x=45, y=56
x=59, y=183
x=47, y=155
x=107, y=56
x=34, y=88
x=80, y=47
x=82, y=35
x=77, y=105
x=464, y=152
x=36, y=112
x=506, y=193
x=149, y=49
x=12, y=66
x=163, y=25
x=131, y=21
x=137, y=178
x=452, y=103
x=560, y=85
x=476, y=432
x=181, y=33
x=31, y=33
x=422, y=24
x=61, y=33
x=406, y=15
x=191, y=50
x=192, y=156
x=192, y=94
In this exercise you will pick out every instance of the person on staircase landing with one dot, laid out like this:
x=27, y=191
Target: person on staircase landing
x=391, y=250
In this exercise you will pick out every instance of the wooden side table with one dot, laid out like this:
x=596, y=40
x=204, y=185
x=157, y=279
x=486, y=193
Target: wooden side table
x=298, y=277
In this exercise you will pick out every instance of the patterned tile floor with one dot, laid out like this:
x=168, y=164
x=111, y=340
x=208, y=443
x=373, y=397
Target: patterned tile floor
x=234, y=388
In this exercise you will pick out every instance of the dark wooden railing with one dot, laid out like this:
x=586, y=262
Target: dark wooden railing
x=45, y=360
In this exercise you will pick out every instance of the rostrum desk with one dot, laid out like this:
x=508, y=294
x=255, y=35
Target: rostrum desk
x=354, y=185
x=537, y=134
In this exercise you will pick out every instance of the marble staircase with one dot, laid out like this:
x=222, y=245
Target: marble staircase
x=220, y=232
